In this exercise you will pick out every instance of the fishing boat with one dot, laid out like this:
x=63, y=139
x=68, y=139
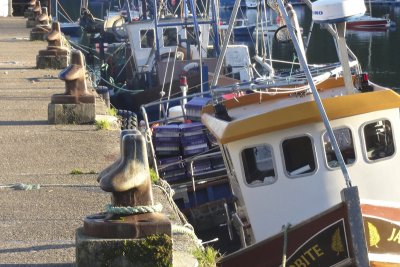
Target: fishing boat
x=313, y=168
x=168, y=46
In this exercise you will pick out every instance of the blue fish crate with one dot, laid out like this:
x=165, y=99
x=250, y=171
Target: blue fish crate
x=194, y=128
x=167, y=139
x=171, y=130
x=167, y=148
x=190, y=150
x=193, y=140
x=194, y=106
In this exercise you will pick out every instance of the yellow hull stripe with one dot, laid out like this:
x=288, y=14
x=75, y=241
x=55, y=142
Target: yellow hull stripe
x=300, y=114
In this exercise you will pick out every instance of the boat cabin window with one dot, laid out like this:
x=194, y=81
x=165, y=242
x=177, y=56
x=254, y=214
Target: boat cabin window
x=345, y=141
x=170, y=36
x=298, y=154
x=147, y=38
x=258, y=165
x=378, y=138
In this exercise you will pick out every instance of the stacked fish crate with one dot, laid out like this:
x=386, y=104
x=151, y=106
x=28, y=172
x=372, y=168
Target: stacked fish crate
x=167, y=140
x=167, y=148
x=178, y=145
x=172, y=169
x=193, y=139
x=194, y=106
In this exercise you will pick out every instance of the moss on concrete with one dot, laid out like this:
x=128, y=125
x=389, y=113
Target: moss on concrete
x=152, y=251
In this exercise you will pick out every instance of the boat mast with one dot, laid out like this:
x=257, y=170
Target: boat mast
x=84, y=4
x=316, y=96
x=197, y=33
x=225, y=45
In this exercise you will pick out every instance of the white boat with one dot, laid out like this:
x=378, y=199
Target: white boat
x=314, y=168
x=241, y=28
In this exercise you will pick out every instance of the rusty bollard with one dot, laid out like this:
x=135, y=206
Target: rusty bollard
x=28, y=13
x=132, y=219
x=56, y=55
x=74, y=75
x=36, y=11
x=77, y=104
x=128, y=180
x=115, y=164
x=42, y=28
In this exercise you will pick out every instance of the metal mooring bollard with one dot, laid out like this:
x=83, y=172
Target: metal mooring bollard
x=132, y=231
x=128, y=180
x=56, y=55
x=36, y=10
x=43, y=26
x=76, y=91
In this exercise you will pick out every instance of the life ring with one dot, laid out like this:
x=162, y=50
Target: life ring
x=189, y=67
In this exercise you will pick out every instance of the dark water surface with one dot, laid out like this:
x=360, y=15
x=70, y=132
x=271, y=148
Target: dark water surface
x=377, y=52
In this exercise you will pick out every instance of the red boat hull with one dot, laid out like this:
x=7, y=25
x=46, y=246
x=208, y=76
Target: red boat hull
x=378, y=24
x=325, y=240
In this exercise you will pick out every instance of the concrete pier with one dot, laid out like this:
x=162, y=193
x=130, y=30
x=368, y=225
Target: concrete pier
x=38, y=226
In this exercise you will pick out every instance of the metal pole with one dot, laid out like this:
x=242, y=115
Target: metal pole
x=215, y=18
x=317, y=99
x=343, y=56
x=196, y=31
x=10, y=9
x=155, y=17
x=225, y=45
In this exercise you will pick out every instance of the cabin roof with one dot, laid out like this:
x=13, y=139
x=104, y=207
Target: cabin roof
x=255, y=114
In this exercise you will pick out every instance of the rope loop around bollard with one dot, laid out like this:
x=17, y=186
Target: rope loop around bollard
x=133, y=210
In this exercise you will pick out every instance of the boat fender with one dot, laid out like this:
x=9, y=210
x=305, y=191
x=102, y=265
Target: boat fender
x=191, y=66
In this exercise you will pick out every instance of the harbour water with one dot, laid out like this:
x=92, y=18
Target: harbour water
x=375, y=50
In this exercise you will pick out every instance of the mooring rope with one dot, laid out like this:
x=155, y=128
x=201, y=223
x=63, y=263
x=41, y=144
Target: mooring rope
x=26, y=187
x=21, y=186
x=133, y=210
x=186, y=229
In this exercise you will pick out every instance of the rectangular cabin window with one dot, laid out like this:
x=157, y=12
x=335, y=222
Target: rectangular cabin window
x=298, y=156
x=345, y=141
x=147, y=38
x=378, y=138
x=170, y=37
x=258, y=165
